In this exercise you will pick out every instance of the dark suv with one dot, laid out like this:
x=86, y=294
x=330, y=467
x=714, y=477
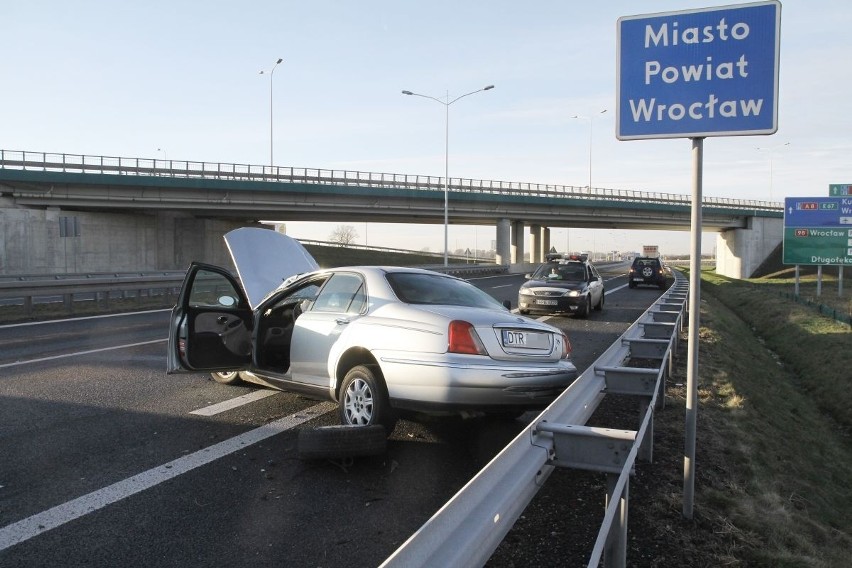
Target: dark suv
x=647, y=270
x=568, y=284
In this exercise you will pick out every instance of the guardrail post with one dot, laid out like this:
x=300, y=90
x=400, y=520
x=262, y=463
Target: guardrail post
x=597, y=449
x=638, y=382
x=615, y=550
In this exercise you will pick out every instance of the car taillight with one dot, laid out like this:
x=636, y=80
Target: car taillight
x=566, y=347
x=182, y=347
x=464, y=339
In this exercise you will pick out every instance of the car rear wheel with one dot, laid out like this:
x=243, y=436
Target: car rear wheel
x=226, y=377
x=364, y=400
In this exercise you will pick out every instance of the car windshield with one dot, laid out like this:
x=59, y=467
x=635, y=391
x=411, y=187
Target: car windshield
x=436, y=289
x=574, y=272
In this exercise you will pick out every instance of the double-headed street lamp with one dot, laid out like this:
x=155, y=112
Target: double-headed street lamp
x=271, y=71
x=447, y=104
x=591, y=120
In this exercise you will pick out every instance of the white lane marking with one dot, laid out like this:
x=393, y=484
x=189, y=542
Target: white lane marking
x=39, y=523
x=89, y=352
x=501, y=286
x=214, y=409
x=608, y=292
x=43, y=322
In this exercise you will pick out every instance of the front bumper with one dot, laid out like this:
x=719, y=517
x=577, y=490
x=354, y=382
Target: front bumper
x=550, y=304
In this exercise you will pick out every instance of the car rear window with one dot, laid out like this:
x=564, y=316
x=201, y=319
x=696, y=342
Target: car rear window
x=438, y=290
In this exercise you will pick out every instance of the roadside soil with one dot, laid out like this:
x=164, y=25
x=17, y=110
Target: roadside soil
x=560, y=526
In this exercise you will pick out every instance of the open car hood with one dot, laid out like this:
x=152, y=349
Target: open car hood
x=265, y=258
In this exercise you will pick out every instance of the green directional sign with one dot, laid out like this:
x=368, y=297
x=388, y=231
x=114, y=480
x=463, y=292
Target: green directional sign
x=818, y=230
x=840, y=189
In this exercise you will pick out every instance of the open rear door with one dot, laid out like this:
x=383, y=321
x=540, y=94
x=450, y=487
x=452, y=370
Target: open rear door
x=211, y=324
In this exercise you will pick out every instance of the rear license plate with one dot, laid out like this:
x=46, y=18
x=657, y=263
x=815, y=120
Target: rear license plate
x=546, y=302
x=638, y=279
x=528, y=339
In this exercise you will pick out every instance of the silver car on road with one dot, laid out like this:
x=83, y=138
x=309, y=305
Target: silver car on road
x=375, y=340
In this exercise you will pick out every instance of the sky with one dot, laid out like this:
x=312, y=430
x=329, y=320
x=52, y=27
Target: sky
x=181, y=80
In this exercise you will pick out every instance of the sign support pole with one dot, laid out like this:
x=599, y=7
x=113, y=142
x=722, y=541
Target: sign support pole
x=694, y=321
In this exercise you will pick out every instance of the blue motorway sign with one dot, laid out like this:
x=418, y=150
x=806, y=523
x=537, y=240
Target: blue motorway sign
x=818, y=230
x=697, y=73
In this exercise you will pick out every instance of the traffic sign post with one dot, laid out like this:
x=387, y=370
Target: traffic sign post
x=694, y=74
x=818, y=231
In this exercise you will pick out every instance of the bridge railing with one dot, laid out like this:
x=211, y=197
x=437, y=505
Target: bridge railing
x=80, y=163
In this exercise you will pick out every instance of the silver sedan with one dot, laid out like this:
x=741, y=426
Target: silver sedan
x=374, y=340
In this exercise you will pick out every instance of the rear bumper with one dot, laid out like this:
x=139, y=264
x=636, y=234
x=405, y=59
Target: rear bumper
x=465, y=386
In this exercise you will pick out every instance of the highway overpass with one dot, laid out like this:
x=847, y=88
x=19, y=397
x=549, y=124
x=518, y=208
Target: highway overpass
x=78, y=213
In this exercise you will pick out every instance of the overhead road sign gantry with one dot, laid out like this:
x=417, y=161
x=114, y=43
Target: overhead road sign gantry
x=699, y=73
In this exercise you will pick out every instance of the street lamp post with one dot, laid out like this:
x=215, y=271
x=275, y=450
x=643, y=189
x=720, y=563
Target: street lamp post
x=590, y=119
x=271, y=71
x=770, y=149
x=447, y=104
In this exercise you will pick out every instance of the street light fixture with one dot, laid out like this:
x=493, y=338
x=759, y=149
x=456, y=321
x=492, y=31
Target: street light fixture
x=770, y=149
x=271, y=71
x=447, y=104
x=590, y=119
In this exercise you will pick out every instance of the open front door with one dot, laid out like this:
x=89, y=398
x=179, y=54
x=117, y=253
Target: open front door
x=211, y=324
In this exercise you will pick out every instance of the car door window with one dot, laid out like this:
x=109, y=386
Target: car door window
x=343, y=293
x=211, y=289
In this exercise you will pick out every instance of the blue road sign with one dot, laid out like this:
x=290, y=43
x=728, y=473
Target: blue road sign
x=818, y=230
x=697, y=73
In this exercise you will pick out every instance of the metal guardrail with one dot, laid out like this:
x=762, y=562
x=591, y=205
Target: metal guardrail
x=467, y=529
x=80, y=163
x=27, y=290
x=97, y=287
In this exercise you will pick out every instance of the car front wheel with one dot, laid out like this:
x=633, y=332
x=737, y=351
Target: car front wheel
x=227, y=377
x=583, y=311
x=364, y=400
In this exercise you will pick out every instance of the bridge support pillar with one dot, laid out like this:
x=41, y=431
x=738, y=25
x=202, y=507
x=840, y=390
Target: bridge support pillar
x=545, y=243
x=517, y=242
x=504, y=250
x=535, y=244
x=740, y=252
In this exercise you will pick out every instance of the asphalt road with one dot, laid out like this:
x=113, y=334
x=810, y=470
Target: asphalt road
x=103, y=463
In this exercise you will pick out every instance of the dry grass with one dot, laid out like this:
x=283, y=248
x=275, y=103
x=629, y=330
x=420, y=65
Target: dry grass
x=773, y=430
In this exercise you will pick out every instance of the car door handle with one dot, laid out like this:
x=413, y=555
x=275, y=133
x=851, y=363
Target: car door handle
x=341, y=321
x=222, y=320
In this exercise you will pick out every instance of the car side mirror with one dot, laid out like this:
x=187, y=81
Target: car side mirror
x=507, y=304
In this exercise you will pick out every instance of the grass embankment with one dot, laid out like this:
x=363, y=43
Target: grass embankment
x=774, y=457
